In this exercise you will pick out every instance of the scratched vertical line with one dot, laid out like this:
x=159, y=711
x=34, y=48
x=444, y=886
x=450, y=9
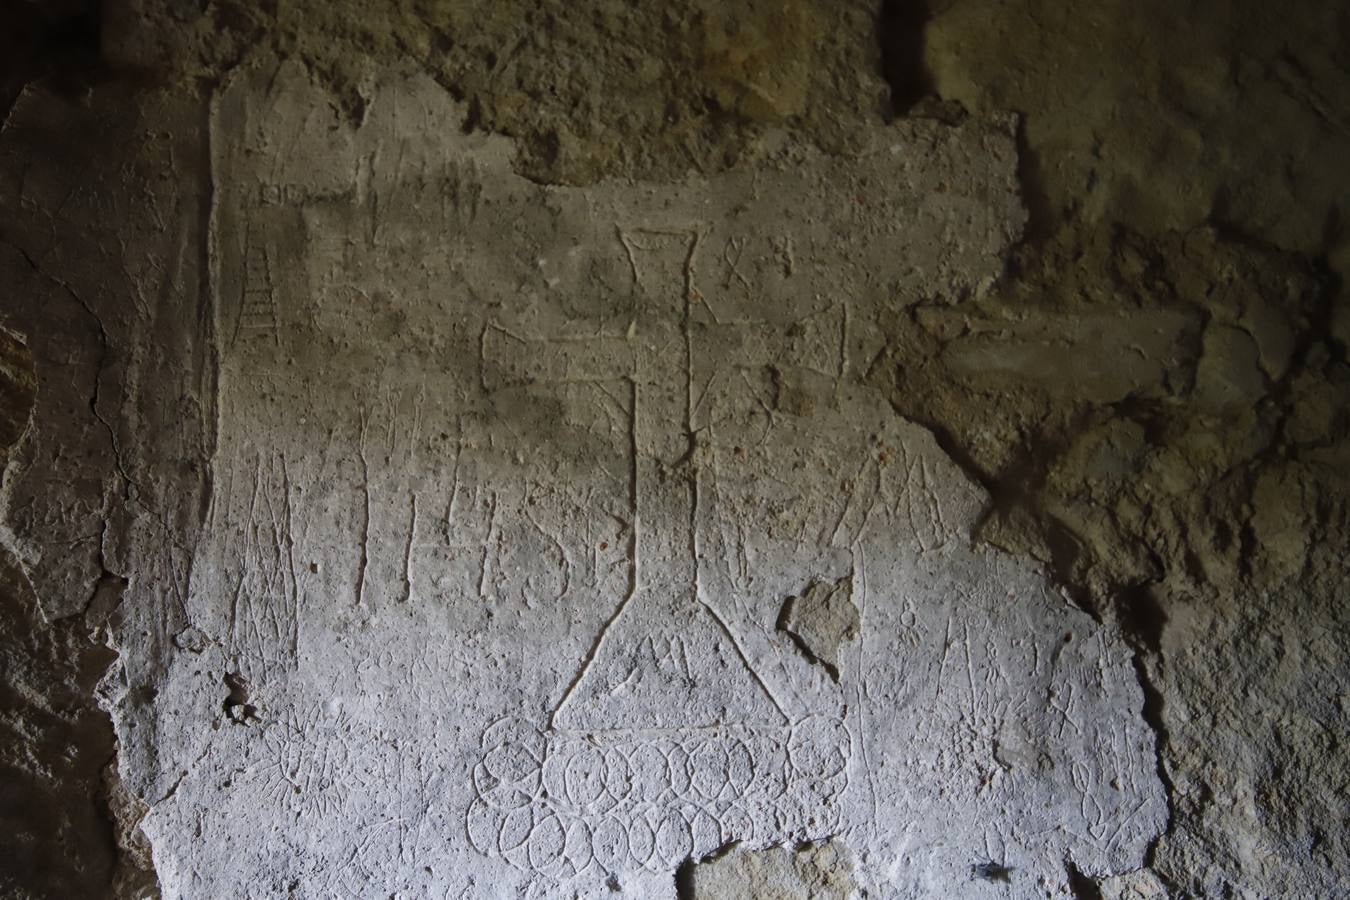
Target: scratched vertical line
x=843, y=348
x=364, y=560
x=408, y=547
x=634, y=543
x=865, y=601
x=634, y=575
x=243, y=566
x=290, y=558
x=454, y=480
x=695, y=237
x=487, y=548
x=970, y=674
x=693, y=478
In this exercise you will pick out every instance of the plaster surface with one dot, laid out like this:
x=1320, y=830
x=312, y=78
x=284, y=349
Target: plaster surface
x=463, y=572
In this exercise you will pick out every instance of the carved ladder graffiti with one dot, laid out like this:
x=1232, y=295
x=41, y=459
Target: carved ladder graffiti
x=257, y=306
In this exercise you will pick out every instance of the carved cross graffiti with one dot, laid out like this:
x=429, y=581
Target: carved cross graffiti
x=666, y=737
x=654, y=361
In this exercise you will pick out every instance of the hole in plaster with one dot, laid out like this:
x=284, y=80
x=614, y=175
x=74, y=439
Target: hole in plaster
x=900, y=32
x=237, y=706
x=992, y=871
x=684, y=880
x=1083, y=887
x=1141, y=618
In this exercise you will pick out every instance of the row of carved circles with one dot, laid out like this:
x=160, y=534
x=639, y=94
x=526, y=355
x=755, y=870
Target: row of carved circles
x=520, y=765
x=708, y=770
x=551, y=842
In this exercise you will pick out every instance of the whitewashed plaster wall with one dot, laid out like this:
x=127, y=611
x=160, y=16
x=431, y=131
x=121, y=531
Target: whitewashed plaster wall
x=466, y=537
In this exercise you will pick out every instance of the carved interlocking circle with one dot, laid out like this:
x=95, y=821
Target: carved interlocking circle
x=559, y=804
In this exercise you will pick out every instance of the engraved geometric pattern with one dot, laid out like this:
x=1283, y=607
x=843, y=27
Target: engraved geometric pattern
x=559, y=804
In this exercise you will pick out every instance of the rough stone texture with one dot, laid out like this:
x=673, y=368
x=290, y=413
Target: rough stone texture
x=821, y=620
x=1178, y=161
x=614, y=89
x=52, y=739
x=96, y=315
x=1191, y=491
x=1232, y=114
x=810, y=872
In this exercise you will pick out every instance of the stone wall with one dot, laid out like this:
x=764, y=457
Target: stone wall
x=475, y=451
